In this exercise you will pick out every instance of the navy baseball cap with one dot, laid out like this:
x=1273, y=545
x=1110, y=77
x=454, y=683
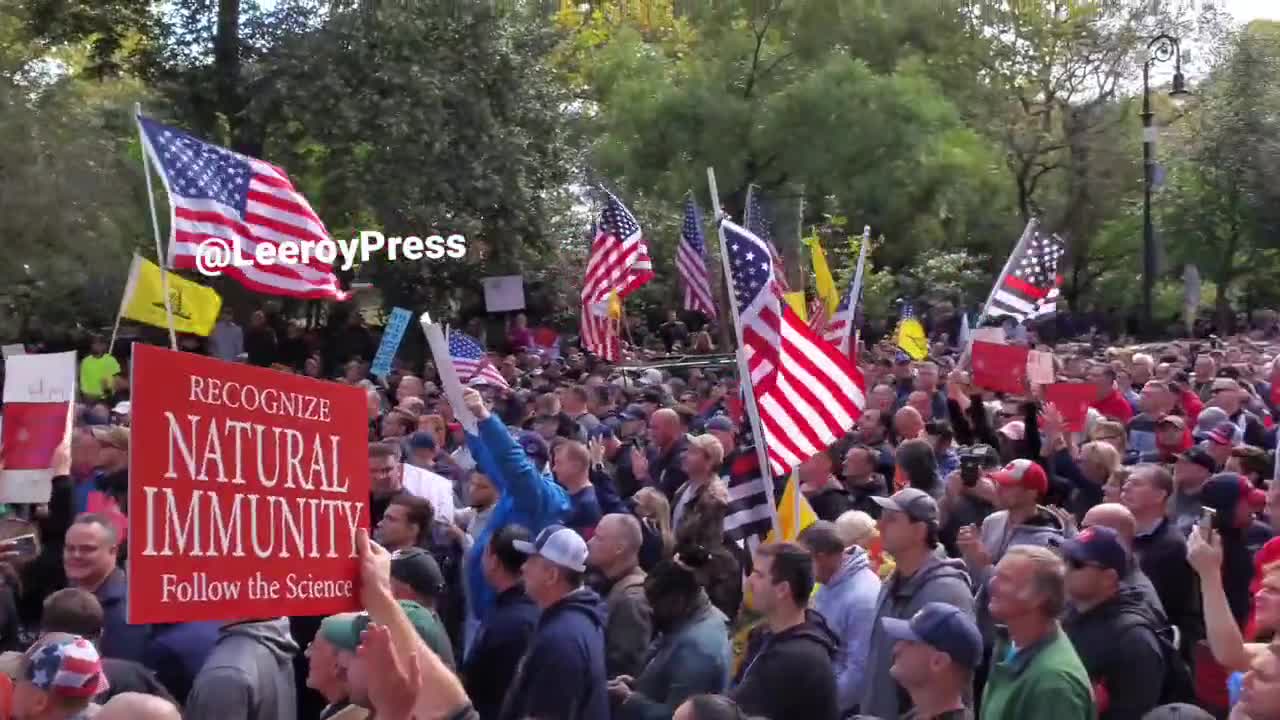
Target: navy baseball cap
x=1224, y=491
x=533, y=445
x=1099, y=546
x=422, y=441
x=943, y=627
x=1197, y=455
x=632, y=412
x=720, y=423
x=599, y=432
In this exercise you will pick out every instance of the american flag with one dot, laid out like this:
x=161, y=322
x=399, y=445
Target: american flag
x=749, y=517
x=619, y=263
x=817, y=315
x=840, y=327
x=217, y=193
x=1029, y=290
x=691, y=262
x=472, y=362
x=807, y=393
x=758, y=223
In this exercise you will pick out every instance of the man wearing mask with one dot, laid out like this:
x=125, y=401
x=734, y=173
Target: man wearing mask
x=1111, y=627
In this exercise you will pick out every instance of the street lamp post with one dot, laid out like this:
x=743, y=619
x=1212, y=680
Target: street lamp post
x=1162, y=48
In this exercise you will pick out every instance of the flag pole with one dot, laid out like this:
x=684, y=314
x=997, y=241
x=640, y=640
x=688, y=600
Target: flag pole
x=744, y=373
x=124, y=298
x=1026, y=233
x=155, y=229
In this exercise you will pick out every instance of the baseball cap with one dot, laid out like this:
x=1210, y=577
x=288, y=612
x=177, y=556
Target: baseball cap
x=943, y=627
x=912, y=502
x=720, y=423
x=558, y=544
x=1223, y=434
x=1014, y=430
x=416, y=568
x=1208, y=419
x=601, y=431
x=1197, y=455
x=65, y=665
x=1224, y=383
x=1099, y=546
x=1023, y=473
x=533, y=445
x=1173, y=420
x=633, y=411
x=343, y=631
x=422, y=441
x=122, y=407
x=652, y=376
x=1224, y=491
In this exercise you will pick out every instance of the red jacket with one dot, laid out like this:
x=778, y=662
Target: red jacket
x=1114, y=407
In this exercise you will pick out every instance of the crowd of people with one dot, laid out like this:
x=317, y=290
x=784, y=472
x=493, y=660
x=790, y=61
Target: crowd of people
x=581, y=554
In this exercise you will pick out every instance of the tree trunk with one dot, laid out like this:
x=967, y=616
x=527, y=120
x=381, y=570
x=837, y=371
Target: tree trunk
x=226, y=69
x=1222, y=307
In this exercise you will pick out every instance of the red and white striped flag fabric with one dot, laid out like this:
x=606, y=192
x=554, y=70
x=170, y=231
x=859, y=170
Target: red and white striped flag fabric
x=619, y=263
x=472, y=362
x=807, y=392
x=839, y=328
x=691, y=262
x=223, y=197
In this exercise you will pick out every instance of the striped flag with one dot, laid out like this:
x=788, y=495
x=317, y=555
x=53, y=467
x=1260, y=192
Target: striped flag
x=472, y=362
x=1029, y=290
x=217, y=195
x=757, y=222
x=749, y=517
x=691, y=262
x=817, y=315
x=807, y=393
x=619, y=264
x=840, y=327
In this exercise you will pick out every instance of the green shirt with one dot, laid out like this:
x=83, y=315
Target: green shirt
x=94, y=372
x=1045, y=681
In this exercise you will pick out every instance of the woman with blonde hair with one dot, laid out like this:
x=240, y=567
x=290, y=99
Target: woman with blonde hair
x=858, y=528
x=654, y=512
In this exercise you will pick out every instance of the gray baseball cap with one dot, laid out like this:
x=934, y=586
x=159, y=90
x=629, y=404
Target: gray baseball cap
x=915, y=504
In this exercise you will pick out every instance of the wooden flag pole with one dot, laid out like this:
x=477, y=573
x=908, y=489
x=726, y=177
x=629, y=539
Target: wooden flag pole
x=744, y=372
x=155, y=228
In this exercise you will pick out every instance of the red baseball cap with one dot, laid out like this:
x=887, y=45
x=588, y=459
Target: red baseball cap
x=1023, y=473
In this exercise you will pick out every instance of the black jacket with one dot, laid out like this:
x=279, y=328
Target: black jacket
x=666, y=470
x=1117, y=643
x=491, y=665
x=127, y=676
x=562, y=674
x=1162, y=555
x=789, y=675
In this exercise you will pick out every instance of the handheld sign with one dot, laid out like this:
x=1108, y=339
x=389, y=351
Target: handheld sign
x=246, y=487
x=392, y=334
x=39, y=400
x=449, y=381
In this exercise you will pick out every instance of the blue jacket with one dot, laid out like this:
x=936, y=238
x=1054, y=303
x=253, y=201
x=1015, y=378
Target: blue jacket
x=562, y=674
x=529, y=498
x=502, y=641
x=848, y=604
x=119, y=638
x=177, y=652
x=692, y=659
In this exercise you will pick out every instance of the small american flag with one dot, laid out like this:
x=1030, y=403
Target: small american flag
x=619, y=264
x=840, y=327
x=817, y=315
x=472, y=362
x=758, y=223
x=1029, y=290
x=807, y=394
x=217, y=193
x=691, y=263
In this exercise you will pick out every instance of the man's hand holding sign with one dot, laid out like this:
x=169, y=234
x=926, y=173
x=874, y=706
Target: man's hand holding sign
x=247, y=487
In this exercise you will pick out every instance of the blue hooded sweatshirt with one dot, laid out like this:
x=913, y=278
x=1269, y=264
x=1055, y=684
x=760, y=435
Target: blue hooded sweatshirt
x=529, y=498
x=562, y=674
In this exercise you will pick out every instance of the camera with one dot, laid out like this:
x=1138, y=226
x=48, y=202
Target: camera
x=973, y=460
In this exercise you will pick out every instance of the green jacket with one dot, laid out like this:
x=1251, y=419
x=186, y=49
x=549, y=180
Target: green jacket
x=1045, y=681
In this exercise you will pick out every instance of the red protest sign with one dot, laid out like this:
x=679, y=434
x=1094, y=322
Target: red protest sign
x=246, y=487
x=1002, y=368
x=1072, y=400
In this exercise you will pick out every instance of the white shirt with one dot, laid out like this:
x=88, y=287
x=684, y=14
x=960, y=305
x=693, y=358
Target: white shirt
x=433, y=488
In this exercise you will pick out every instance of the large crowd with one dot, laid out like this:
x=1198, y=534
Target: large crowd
x=582, y=554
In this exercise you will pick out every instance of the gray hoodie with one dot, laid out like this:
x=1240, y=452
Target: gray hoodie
x=1042, y=529
x=848, y=603
x=248, y=676
x=938, y=580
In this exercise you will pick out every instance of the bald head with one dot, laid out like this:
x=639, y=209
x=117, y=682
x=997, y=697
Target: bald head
x=664, y=426
x=624, y=529
x=1114, y=516
x=137, y=706
x=908, y=423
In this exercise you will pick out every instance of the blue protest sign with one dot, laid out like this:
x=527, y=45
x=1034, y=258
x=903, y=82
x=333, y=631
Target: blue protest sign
x=392, y=334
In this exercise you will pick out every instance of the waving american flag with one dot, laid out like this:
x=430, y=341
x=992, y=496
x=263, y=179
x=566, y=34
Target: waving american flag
x=223, y=197
x=691, y=262
x=619, y=264
x=807, y=393
x=472, y=362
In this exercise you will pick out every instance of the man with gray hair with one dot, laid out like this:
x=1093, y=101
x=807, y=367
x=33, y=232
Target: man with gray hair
x=613, y=554
x=1035, y=671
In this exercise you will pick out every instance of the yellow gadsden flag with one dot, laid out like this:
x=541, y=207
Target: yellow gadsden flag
x=796, y=301
x=826, y=285
x=794, y=513
x=195, y=307
x=912, y=338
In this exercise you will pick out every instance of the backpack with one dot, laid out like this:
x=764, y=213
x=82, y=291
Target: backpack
x=1177, y=685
